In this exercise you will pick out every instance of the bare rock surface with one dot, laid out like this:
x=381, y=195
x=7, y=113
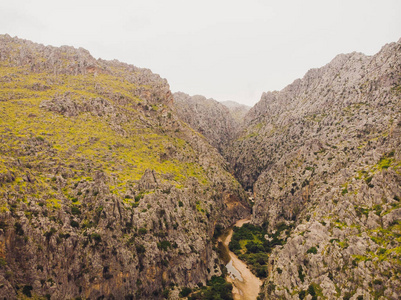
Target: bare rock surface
x=216, y=121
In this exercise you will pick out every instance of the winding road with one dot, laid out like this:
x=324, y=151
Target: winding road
x=246, y=285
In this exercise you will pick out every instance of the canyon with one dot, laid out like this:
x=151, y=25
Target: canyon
x=113, y=187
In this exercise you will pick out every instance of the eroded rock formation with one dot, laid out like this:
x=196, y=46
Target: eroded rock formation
x=104, y=191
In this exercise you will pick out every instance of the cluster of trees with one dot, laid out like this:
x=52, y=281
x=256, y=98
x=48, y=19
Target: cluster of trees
x=249, y=244
x=216, y=289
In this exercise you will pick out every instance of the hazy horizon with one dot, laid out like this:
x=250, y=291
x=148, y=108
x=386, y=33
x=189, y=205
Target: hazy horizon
x=226, y=50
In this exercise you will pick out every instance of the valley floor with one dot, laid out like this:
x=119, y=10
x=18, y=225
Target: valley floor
x=246, y=285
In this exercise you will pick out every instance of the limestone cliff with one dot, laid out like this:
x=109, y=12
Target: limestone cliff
x=237, y=110
x=323, y=157
x=217, y=122
x=104, y=191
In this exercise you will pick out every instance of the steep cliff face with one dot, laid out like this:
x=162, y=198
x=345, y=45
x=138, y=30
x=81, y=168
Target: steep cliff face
x=323, y=157
x=104, y=191
x=237, y=110
x=217, y=122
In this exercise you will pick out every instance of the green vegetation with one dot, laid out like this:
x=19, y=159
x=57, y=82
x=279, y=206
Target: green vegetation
x=96, y=237
x=312, y=250
x=185, y=291
x=301, y=274
x=26, y=290
x=142, y=231
x=164, y=245
x=216, y=289
x=84, y=143
x=314, y=290
x=249, y=244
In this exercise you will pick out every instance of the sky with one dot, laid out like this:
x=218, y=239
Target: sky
x=222, y=49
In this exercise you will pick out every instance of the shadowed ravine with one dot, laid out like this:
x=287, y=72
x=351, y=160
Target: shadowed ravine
x=246, y=285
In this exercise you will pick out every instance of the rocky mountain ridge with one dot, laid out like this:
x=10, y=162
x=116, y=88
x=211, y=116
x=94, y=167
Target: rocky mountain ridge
x=217, y=122
x=237, y=110
x=322, y=158
x=104, y=192
x=323, y=162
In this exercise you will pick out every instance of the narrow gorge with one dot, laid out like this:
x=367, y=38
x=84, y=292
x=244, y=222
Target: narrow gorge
x=113, y=187
x=245, y=284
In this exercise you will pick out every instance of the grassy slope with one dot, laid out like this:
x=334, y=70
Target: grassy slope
x=41, y=141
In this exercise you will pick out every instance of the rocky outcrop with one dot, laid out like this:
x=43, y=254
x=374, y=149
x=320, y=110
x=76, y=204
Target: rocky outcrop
x=323, y=157
x=237, y=110
x=104, y=192
x=208, y=117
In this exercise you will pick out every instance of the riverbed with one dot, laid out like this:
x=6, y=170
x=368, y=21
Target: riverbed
x=246, y=285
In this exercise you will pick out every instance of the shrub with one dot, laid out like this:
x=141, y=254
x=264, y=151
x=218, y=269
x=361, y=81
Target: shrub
x=138, y=197
x=164, y=245
x=378, y=208
x=166, y=293
x=368, y=179
x=96, y=237
x=26, y=290
x=140, y=249
x=218, y=229
x=384, y=163
x=49, y=233
x=261, y=271
x=381, y=251
x=185, y=292
x=18, y=229
x=301, y=275
x=312, y=250
x=3, y=225
x=74, y=224
x=216, y=288
x=142, y=231
x=75, y=210
x=3, y=262
x=311, y=290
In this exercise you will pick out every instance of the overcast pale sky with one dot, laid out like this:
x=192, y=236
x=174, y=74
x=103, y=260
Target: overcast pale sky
x=223, y=49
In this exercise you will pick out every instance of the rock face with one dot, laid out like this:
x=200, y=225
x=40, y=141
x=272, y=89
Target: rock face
x=104, y=192
x=323, y=157
x=237, y=110
x=217, y=122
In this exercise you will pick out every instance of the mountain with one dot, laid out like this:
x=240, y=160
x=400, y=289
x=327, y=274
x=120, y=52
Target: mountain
x=322, y=158
x=237, y=110
x=104, y=192
x=208, y=117
x=112, y=187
